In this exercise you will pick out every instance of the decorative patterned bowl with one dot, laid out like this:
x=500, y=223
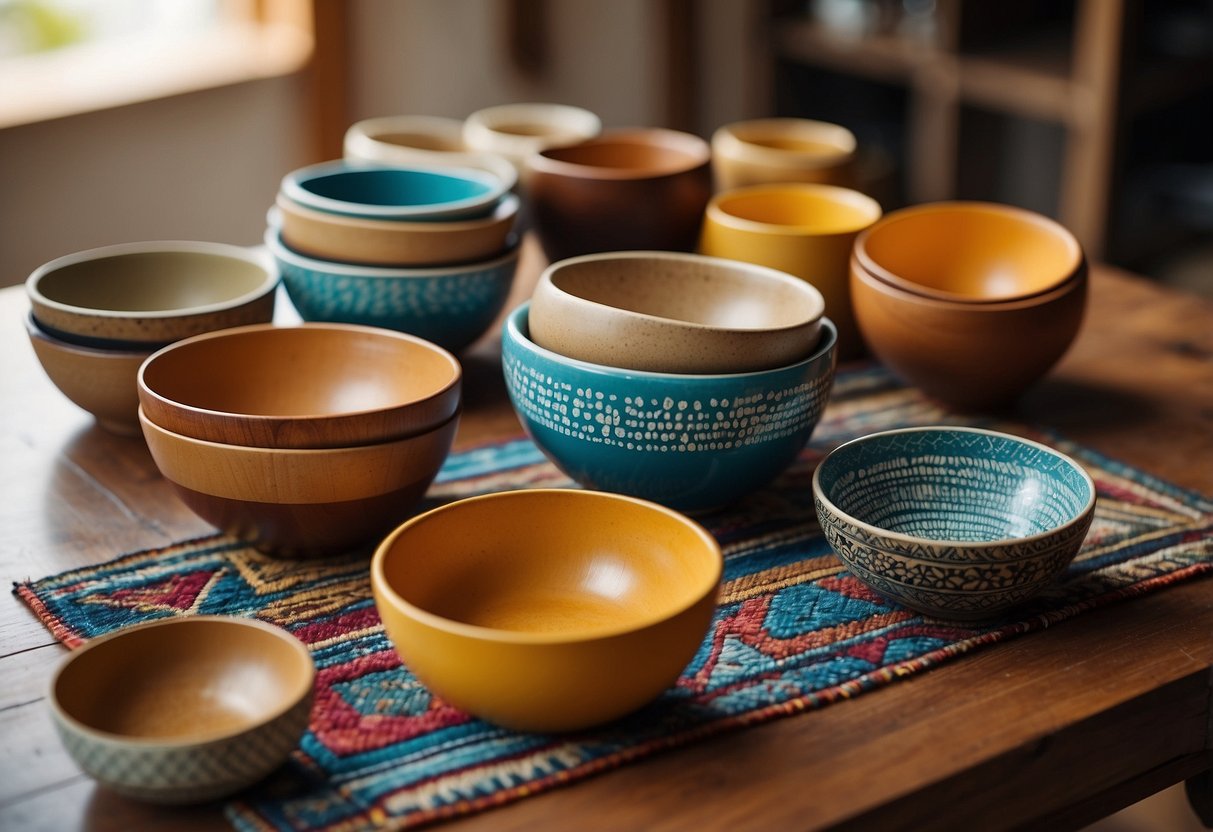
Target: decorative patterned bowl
x=953, y=522
x=450, y=306
x=183, y=710
x=507, y=608
x=692, y=442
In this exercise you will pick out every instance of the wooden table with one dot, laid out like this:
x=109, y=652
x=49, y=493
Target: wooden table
x=1068, y=724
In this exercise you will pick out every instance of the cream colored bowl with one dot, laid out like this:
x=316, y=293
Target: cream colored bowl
x=515, y=131
x=771, y=150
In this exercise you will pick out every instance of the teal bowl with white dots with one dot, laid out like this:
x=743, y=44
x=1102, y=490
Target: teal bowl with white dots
x=690, y=442
x=450, y=306
x=953, y=522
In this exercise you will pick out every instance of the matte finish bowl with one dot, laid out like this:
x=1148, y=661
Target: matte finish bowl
x=515, y=131
x=692, y=442
x=300, y=503
x=780, y=150
x=183, y=710
x=633, y=189
x=676, y=313
x=150, y=293
x=450, y=306
x=547, y=610
x=953, y=522
x=310, y=386
x=421, y=141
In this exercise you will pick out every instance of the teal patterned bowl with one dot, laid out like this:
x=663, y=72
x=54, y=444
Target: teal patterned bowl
x=690, y=442
x=953, y=522
x=450, y=306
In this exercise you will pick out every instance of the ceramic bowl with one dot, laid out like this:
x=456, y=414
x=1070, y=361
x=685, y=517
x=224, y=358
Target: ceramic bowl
x=393, y=193
x=624, y=190
x=421, y=141
x=311, y=386
x=778, y=150
x=515, y=131
x=970, y=252
x=99, y=381
x=675, y=313
x=691, y=442
x=183, y=710
x=953, y=522
x=300, y=503
x=149, y=294
x=507, y=608
x=450, y=306
x=972, y=356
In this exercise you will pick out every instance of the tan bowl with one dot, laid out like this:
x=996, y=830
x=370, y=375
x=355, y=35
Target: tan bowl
x=777, y=150
x=674, y=313
x=310, y=386
x=414, y=141
x=300, y=503
x=152, y=293
x=547, y=610
x=515, y=131
x=391, y=242
x=184, y=710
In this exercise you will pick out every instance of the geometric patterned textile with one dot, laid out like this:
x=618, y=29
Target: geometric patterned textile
x=794, y=631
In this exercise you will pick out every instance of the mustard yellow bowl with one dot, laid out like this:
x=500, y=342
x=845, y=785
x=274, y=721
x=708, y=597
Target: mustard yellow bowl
x=548, y=609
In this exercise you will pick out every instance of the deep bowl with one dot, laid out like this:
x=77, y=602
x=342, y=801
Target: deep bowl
x=547, y=610
x=953, y=522
x=421, y=141
x=692, y=442
x=183, y=710
x=310, y=386
x=780, y=150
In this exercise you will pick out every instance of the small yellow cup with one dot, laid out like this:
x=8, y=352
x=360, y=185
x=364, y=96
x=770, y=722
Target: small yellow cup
x=772, y=150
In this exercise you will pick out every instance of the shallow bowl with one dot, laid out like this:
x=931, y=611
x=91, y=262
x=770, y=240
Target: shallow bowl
x=421, y=141
x=780, y=150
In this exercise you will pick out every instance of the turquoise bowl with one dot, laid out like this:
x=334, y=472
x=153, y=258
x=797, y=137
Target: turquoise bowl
x=690, y=442
x=450, y=306
x=379, y=192
x=953, y=522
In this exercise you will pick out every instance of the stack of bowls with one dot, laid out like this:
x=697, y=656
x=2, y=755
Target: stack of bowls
x=687, y=380
x=972, y=302
x=303, y=440
x=425, y=250
x=97, y=314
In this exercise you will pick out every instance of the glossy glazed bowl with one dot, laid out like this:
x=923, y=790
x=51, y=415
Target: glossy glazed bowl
x=310, y=386
x=635, y=189
x=953, y=522
x=421, y=141
x=691, y=442
x=145, y=295
x=183, y=710
x=780, y=150
x=300, y=503
x=509, y=607
x=674, y=313
x=450, y=306
x=515, y=131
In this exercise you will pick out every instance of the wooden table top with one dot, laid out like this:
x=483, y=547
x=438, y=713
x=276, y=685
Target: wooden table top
x=1068, y=724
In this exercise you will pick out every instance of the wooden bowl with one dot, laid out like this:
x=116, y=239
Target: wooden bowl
x=547, y=610
x=781, y=150
x=674, y=313
x=421, y=140
x=308, y=386
x=183, y=710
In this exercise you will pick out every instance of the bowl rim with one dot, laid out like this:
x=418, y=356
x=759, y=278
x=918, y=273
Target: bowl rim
x=697, y=151
x=492, y=634
x=718, y=213
x=567, y=118
x=733, y=146
x=253, y=255
x=279, y=249
x=186, y=741
x=1079, y=517
x=506, y=209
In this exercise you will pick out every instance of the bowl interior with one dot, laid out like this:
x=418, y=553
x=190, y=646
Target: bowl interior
x=630, y=153
x=421, y=140
x=802, y=137
x=814, y=209
x=955, y=485
x=391, y=187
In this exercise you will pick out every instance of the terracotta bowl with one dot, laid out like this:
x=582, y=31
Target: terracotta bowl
x=971, y=252
x=300, y=503
x=515, y=131
x=674, y=313
x=624, y=190
x=183, y=710
x=780, y=150
x=973, y=356
x=508, y=607
x=421, y=141
x=151, y=294
x=953, y=522
x=311, y=386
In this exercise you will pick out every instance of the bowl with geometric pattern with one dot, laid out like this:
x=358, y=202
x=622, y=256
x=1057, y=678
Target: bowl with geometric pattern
x=958, y=523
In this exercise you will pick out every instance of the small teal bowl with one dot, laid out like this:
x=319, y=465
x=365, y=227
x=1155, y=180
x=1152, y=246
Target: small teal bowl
x=690, y=442
x=450, y=306
x=955, y=523
x=394, y=193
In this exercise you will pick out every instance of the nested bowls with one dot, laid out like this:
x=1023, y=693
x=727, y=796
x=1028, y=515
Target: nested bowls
x=183, y=710
x=547, y=610
x=781, y=150
x=668, y=312
x=953, y=522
